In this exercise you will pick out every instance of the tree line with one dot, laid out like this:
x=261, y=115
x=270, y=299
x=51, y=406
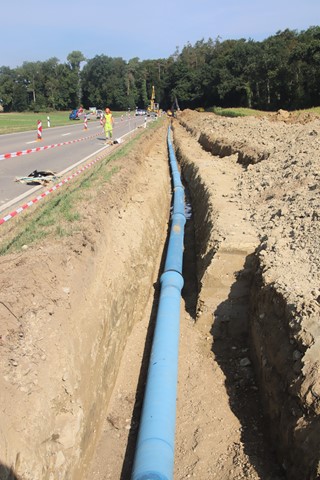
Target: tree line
x=281, y=71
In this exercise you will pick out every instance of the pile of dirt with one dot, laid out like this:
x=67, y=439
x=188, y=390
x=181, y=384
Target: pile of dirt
x=279, y=195
x=292, y=117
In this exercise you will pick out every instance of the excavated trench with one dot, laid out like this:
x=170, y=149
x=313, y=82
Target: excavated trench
x=224, y=247
x=218, y=274
x=93, y=399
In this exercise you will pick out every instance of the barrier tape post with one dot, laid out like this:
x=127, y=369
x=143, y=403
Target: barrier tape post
x=39, y=130
x=85, y=123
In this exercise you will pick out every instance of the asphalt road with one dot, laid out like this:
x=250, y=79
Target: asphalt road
x=57, y=159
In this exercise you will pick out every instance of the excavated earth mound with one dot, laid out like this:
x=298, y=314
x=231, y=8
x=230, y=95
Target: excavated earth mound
x=278, y=193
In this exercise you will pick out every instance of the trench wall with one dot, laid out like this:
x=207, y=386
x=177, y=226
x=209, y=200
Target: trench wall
x=127, y=266
x=222, y=147
x=282, y=344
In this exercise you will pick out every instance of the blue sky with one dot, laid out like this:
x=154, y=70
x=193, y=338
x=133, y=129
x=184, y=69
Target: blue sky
x=38, y=30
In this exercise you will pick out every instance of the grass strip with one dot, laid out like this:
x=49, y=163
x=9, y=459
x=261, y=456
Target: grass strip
x=28, y=121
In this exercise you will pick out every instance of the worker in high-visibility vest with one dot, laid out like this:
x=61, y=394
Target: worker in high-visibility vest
x=108, y=125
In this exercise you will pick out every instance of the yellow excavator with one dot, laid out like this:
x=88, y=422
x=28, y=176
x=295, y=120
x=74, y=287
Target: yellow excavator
x=153, y=107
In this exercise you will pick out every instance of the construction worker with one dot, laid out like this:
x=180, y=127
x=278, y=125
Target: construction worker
x=108, y=125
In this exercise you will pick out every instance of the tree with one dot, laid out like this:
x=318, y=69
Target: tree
x=105, y=82
x=305, y=65
x=50, y=70
x=31, y=76
x=8, y=78
x=74, y=60
x=279, y=72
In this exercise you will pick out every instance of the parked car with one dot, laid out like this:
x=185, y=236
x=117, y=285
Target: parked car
x=74, y=115
x=99, y=113
x=139, y=112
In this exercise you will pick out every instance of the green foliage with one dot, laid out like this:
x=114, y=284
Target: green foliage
x=104, y=83
x=280, y=72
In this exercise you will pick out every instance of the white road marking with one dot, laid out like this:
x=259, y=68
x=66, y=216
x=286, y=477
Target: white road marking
x=65, y=134
x=33, y=141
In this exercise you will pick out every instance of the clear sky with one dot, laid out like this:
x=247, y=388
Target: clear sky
x=33, y=30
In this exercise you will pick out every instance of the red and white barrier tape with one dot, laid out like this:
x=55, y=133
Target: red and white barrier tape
x=5, y=156
x=45, y=194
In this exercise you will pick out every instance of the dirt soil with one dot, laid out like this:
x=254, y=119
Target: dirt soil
x=77, y=315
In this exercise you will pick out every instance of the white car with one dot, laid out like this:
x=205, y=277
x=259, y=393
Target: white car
x=140, y=112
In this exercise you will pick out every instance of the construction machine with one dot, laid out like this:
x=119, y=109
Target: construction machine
x=153, y=107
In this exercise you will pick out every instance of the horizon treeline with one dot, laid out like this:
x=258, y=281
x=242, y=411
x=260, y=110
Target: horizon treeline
x=281, y=71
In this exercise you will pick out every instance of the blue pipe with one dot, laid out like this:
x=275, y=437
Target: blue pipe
x=178, y=201
x=154, y=457
x=174, y=261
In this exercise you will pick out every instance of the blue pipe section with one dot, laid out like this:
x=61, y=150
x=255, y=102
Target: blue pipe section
x=173, y=261
x=178, y=201
x=154, y=456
